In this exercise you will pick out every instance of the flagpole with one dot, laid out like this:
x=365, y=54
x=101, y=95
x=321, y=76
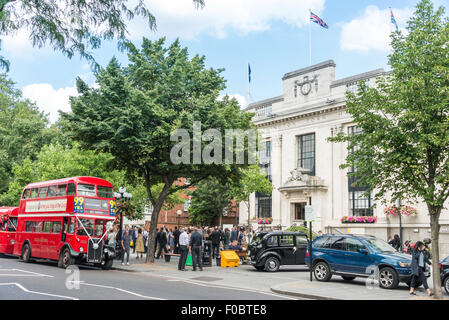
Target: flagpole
x=310, y=37
x=249, y=84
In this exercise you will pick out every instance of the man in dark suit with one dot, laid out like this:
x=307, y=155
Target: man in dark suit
x=215, y=237
x=176, y=234
x=196, y=243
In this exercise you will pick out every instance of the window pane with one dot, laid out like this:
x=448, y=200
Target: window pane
x=29, y=226
x=26, y=194
x=12, y=224
x=56, y=227
x=338, y=244
x=71, y=189
x=51, y=191
x=353, y=245
x=71, y=229
x=306, y=150
x=99, y=227
x=33, y=193
x=42, y=192
x=104, y=192
x=272, y=241
x=47, y=226
x=61, y=190
x=86, y=190
x=88, y=225
x=37, y=226
x=286, y=241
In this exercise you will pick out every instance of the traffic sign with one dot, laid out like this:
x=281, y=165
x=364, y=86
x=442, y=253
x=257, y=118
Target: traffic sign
x=309, y=214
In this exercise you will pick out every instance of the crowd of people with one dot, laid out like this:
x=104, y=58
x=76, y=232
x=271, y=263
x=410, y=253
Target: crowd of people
x=180, y=241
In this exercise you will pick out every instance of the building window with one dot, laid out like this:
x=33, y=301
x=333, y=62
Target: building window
x=353, y=87
x=359, y=203
x=265, y=160
x=300, y=211
x=263, y=205
x=306, y=152
x=263, y=111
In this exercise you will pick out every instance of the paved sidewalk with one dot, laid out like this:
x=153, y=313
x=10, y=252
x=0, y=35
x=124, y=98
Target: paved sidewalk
x=341, y=290
x=291, y=281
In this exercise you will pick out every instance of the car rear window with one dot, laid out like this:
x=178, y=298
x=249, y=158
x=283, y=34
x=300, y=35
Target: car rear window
x=319, y=242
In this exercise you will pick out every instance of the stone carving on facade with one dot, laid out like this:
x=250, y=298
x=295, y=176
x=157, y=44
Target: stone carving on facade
x=305, y=86
x=300, y=179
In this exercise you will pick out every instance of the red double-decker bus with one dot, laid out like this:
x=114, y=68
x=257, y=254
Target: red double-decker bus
x=8, y=225
x=66, y=220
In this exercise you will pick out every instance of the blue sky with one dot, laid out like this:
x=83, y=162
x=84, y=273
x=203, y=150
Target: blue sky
x=272, y=35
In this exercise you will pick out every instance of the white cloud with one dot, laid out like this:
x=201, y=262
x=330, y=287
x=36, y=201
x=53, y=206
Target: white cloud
x=372, y=30
x=240, y=99
x=180, y=18
x=48, y=99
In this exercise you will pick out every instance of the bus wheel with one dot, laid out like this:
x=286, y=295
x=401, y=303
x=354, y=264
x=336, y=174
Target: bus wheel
x=65, y=259
x=26, y=253
x=107, y=264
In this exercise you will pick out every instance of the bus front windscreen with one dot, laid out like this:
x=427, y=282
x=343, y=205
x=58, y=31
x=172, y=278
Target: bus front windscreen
x=86, y=224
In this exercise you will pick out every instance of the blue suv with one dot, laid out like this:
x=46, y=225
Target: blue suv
x=351, y=256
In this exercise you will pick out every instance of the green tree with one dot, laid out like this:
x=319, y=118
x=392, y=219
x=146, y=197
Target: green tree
x=23, y=130
x=56, y=162
x=404, y=140
x=72, y=26
x=209, y=199
x=251, y=180
x=136, y=109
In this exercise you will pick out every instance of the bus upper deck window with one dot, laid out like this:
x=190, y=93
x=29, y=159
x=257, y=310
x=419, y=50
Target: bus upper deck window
x=71, y=189
x=86, y=190
x=42, y=192
x=33, y=193
x=51, y=191
x=61, y=190
x=26, y=194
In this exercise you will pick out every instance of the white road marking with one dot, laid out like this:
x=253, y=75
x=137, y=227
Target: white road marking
x=28, y=273
x=123, y=290
x=35, y=292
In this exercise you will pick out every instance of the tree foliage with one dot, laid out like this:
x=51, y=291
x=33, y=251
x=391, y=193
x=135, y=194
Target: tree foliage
x=403, y=145
x=209, y=199
x=57, y=161
x=23, y=130
x=72, y=27
x=135, y=109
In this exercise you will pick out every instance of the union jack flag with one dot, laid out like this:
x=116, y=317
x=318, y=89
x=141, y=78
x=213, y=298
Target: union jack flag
x=318, y=20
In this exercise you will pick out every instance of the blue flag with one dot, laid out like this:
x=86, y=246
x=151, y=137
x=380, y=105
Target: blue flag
x=393, y=20
x=249, y=73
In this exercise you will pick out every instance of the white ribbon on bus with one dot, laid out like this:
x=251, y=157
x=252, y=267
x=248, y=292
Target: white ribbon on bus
x=95, y=244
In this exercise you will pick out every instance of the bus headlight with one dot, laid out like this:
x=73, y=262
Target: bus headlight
x=81, y=249
x=12, y=242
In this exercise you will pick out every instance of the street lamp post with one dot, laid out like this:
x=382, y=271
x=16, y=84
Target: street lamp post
x=126, y=196
x=179, y=212
x=400, y=224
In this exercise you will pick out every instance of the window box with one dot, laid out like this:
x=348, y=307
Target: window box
x=359, y=219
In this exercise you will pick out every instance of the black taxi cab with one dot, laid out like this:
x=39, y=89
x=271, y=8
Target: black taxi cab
x=270, y=250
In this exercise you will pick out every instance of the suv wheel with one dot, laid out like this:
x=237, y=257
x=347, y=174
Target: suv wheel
x=446, y=284
x=322, y=271
x=272, y=264
x=388, y=278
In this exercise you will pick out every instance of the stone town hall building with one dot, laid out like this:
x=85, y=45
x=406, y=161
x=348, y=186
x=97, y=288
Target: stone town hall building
x=304, y=167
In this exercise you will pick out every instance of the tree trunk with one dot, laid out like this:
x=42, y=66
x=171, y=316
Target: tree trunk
x=435, y=231
x=154, y=218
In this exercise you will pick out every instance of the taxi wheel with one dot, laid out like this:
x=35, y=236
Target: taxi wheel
x=272, y=264
x=65, y=259
x=26, y=253
x=108, y=264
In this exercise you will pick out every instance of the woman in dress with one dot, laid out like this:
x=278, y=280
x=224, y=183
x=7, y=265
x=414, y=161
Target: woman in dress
x=140, y=248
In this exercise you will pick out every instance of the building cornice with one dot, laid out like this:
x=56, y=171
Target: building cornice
x=286, y=118
x=322, y=65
